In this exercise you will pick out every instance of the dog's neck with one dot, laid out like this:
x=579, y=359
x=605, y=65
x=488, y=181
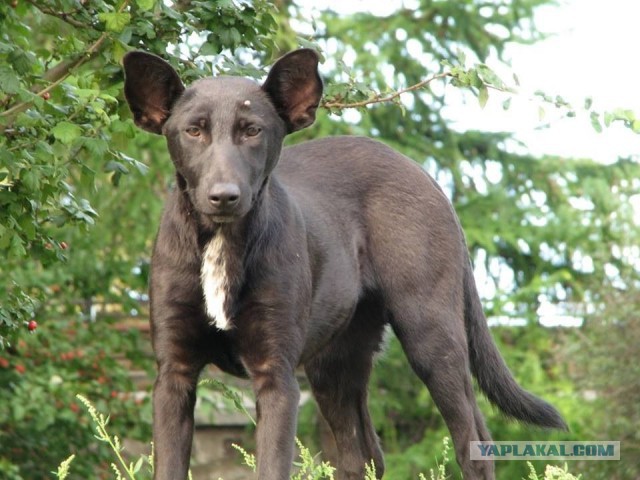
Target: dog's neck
x=230, y=249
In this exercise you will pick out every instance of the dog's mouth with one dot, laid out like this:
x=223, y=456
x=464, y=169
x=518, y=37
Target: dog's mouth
x=216, y=215
x=227, y=218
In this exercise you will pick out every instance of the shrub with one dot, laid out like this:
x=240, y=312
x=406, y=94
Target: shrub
x=41, y=420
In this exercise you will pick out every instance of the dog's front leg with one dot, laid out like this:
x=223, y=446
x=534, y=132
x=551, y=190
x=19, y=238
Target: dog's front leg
x=277, y=395
x=174, y=397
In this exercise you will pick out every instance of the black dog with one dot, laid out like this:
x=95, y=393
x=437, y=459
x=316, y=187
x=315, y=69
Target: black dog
x=267, y=259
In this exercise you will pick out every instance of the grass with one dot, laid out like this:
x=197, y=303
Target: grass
x=307, y=466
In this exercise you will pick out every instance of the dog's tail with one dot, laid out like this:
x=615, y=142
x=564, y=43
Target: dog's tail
x=492, y=373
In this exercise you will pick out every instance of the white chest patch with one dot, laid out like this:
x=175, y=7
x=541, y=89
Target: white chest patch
x=215, y=282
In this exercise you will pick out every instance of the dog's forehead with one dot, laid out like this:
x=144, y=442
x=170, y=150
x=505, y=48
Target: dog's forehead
x=226, y=90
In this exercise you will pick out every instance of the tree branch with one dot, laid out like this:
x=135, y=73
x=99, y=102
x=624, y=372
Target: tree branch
x=64, y=16
x=59, y=74
x=379, y=98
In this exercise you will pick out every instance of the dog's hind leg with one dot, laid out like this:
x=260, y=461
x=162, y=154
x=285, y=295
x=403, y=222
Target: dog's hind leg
x=432, y=335
x=338, y=378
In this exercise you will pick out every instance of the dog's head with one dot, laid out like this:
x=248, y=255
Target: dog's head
x=224, y=134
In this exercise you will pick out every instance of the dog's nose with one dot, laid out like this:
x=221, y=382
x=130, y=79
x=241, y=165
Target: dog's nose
x=224, y=195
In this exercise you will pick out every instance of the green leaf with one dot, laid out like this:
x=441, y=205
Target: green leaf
x=483, y=96
x=541, y=113
x=624, y=114
x=66, y=132
x=136, y=468
x=21, y=62
x=115, y=21
x=97, y=146
x=16, y=248
x=145, y=4
x=489, y=76
x=588, y=102
x=28, y=227
x=19, y=411
x=608, y=118
x=595, y=122
x=8, y=80
x=5, y=237
x=114, y=166
x=30, y=180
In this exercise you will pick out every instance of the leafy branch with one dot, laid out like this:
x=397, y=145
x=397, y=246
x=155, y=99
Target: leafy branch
x=336, y=102
x=480, y=79
x=62, y=70
x=64, y=16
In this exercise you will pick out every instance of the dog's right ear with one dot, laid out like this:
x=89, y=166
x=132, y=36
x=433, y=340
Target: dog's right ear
x=151, y=87
x=295, y=88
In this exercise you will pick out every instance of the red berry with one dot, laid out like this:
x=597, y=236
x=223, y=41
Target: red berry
x=46, y=95
x=20, y=369
x=64, y=245
x=32, y=325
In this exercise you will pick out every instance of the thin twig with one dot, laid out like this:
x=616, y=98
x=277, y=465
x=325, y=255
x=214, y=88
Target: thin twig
x=64, y=16
x=385, y=99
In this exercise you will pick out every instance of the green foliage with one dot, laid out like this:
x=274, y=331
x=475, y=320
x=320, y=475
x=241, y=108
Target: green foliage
x=307, y=467
x=604, y=365
x=40, y=375
x=63, y=469
x=248, y=459
x=552, y=473
x=232, y=395
x=100, y=422
x=310, y=469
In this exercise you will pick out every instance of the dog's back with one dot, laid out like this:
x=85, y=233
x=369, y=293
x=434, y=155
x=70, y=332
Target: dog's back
x=376, y=196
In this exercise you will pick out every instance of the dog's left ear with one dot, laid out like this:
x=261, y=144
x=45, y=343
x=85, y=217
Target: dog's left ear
x=151, y=87
x=295, y=88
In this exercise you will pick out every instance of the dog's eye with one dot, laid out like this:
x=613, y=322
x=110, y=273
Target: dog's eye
x=252, y=131
x=193, y=131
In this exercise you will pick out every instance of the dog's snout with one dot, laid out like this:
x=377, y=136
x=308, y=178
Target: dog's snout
x=224, y=195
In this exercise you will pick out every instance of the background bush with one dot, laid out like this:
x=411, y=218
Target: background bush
x=81, y=191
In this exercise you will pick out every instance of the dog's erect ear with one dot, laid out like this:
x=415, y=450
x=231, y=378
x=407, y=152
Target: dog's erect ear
x=151, y=87
x=295, y=88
